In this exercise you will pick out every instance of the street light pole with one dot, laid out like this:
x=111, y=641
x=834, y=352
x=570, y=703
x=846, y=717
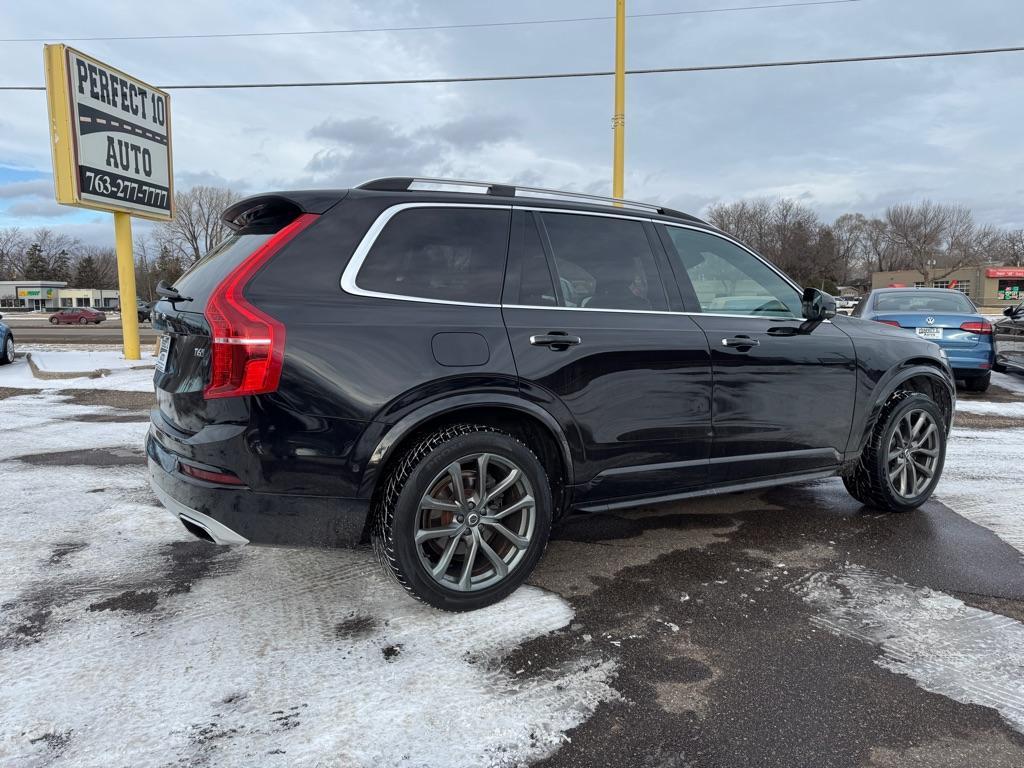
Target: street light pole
x=619, y=118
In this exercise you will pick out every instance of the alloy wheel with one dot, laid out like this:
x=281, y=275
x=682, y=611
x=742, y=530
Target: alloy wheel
x=9, y=351
x=475, y=522
x=913, y=453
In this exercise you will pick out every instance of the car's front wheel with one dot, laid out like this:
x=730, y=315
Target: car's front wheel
x=902, y=462
x=7, y=353
x=54, y=321
x=463, y=517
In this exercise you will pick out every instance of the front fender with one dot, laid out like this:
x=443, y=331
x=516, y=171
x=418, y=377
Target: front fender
x=893, y=381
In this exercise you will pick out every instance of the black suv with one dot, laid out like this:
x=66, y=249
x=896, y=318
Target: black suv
x=446, y=368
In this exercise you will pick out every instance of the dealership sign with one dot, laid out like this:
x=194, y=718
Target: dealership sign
x=1005, y=272
x=110, y=135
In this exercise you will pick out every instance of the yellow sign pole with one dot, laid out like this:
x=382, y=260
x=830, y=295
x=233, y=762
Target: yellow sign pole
x=619, y=118
x=126, y=285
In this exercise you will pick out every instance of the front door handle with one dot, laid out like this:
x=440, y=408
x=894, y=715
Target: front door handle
x=557, y=340
x=740, y=342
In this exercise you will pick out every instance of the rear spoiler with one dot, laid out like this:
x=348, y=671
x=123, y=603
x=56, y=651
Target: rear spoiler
x=271, y=211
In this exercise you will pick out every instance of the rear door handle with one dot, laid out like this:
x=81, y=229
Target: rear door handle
x=557, y=340
x=741, y=341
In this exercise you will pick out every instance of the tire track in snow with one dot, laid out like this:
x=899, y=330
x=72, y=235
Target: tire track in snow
x=945, y=646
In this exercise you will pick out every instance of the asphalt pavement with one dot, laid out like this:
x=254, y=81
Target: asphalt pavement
x=789, y=627
x=37, y=330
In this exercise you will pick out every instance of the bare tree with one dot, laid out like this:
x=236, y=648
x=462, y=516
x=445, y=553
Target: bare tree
x=1010, y=250
x=197, y=226
x=13, y=245
x=936, y=239
x=849, y=231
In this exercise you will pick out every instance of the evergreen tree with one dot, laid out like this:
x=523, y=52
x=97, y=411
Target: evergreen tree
x=87, y=276
x=36, y=267
x=61, y=268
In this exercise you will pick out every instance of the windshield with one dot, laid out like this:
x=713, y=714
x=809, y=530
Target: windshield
x=923, y=301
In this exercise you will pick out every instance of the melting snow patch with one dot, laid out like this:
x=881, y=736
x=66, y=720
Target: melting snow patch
x=944, y=645
x=982, y=467
x=124, y=642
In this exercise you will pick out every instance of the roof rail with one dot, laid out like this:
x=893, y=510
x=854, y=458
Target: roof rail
x=406, y=183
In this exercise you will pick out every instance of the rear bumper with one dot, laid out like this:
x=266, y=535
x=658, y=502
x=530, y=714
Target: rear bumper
x=241, y=516
x=973, y=362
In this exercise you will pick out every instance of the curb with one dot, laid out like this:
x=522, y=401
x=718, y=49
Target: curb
x=96, y=373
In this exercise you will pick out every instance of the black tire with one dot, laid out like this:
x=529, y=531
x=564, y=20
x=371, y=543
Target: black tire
x=978, y=383
x=83, y=321
x=868, y=482
x=397, y=513
x=7, y=351
x=54, y=321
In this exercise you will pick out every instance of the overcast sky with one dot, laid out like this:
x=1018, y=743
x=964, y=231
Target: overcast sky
x=839, y=138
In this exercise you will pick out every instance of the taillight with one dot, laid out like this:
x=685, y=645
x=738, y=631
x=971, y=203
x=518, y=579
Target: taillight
x=983, y=327
x=247, y=348
x=889, y=322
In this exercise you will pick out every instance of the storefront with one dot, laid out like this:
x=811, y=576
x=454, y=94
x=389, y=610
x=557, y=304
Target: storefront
x=1009, y=283
x=31, y=294
x=51, y=295
x=992, y=287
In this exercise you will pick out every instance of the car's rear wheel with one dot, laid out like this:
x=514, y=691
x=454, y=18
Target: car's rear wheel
x=463, y=517
x=978, y=383
x=83, y=320
x=7, y=354
x=902, y=462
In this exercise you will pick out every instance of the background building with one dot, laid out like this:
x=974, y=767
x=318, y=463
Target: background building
x=987, y=286
x=53, y=294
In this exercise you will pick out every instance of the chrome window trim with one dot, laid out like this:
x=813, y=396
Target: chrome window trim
x=348, y=277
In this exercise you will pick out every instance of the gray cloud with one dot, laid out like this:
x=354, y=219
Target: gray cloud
x=32, y=188
x=851, y=137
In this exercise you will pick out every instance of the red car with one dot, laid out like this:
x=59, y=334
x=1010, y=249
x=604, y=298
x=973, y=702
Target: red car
x=79, y=315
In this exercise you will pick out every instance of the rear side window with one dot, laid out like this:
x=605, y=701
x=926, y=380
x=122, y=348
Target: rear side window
x=207, y=273
x=449, y=254
x=603, y=262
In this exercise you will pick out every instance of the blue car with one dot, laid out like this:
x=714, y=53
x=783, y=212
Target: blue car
x=944, y=316
x=6, y=344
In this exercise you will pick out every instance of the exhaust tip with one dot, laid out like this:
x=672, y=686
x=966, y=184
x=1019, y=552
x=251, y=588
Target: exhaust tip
x=196, y=530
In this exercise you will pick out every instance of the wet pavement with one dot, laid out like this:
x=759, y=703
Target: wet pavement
x=788, y=627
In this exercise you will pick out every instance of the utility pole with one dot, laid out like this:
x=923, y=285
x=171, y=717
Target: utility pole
x=619, y=118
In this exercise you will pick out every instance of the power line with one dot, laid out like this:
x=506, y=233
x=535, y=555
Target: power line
x=568, y=75
x=432, y=27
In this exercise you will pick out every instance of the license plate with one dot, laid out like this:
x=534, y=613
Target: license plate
x=929, y=333
x=165, y=350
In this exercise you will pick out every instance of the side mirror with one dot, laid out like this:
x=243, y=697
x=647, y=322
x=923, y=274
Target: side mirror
x=818, y=305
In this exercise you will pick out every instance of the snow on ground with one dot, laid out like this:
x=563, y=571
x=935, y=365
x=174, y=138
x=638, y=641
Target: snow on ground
x=18, y=375
x=1012, y=381
x=125, y=642
x=946, y=647
x=983, y=474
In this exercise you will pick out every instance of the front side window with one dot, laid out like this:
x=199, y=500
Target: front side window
x=447, y=254
x=729, y=280
x=603, y=262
